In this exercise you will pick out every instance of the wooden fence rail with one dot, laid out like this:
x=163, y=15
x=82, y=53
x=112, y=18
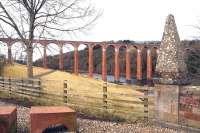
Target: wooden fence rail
x=136, y=105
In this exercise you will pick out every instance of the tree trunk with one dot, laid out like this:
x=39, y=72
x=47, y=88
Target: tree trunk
x=30, y=62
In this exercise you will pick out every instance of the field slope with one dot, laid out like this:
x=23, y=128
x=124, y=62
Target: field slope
x=126, y=98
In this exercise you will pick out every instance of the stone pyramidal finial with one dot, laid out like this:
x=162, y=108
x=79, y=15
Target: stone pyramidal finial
x=171, y=67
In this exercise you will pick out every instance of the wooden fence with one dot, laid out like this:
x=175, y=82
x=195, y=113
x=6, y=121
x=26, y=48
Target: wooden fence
x=132, y=105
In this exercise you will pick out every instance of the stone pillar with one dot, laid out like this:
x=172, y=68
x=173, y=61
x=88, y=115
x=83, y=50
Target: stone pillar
x=90, y=61
x=9, y=53
x=61, y=58
x=128, y=66
x=104, y=66
x=45, y=57
x=76, y=59
x=139, y=66
x=117, y=70
x=172, y=74
x=149, y=68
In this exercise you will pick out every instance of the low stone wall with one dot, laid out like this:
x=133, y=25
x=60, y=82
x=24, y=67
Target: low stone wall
x=189, y=111
x=167, y=102
x=178, y=104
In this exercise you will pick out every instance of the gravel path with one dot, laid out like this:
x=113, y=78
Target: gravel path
x=91, y=126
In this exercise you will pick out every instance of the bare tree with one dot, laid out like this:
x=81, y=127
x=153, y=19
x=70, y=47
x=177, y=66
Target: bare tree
x=35, y=19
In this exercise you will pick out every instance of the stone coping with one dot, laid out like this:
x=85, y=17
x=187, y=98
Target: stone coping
x=50, y=109
x=6, y=110
x=171, y=81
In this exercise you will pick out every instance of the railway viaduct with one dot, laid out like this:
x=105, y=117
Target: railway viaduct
x=104, y=45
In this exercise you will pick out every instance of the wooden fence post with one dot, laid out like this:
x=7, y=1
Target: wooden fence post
x=9, y=86
x=3, y=82
x=146, y=104
x=38, y=87
x=105, y=96
x=32, y=82
x=39, y=84
x=65, y=91
x=22, y=83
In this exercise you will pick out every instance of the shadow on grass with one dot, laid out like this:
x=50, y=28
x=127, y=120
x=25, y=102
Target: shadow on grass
x=44, y=74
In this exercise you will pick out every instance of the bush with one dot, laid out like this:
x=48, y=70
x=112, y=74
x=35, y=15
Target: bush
x=193, y=63
x=2, y=62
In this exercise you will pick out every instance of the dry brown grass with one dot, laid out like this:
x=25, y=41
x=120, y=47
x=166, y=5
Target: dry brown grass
x=77, y=83
x=52, y=80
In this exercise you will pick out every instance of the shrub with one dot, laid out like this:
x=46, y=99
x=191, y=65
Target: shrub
x=193, y=63
x=2, y=62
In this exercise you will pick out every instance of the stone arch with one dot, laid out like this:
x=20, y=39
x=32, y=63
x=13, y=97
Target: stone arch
x=113, y=45
x=52, y=52
x=144, y=62
x=19, y=52
x=68, y=50
x=154, y=59
x=97, y=60
x=83, y=64
x=133, y=57
x=38, y=52
x=110, y=65
x=122, y=62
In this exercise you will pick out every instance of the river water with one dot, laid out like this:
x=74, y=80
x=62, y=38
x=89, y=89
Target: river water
x=110, y=78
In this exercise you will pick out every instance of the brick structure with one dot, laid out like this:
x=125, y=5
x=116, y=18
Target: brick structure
x=76, y=60
x=8, y=119
x=173, y=102
x=128, y=66
x=188, y=45
x=189, y=106
x=45, y=57
x=90, y=62
x=117, y=65
x=139, y=66
x=149, y=68
x=45, y=116
x=61, y=58
x=91, y=45
x=104, y=65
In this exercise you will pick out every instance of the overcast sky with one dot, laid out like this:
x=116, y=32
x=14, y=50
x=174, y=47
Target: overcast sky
x=143, y=19
x=138, y=20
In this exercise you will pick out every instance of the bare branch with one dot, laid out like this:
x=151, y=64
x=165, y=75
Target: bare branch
x=12, y=24
x=56, y=12
x=32, y=19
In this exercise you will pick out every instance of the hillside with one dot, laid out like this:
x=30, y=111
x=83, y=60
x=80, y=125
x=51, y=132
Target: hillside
x=192, y=60
x=83, y=61
x=52, y=80
x=86, y=94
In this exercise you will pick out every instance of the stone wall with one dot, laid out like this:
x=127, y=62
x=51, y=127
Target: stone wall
x=178, y=104
x=176, y=101
x=189, y=111
x=167, y=102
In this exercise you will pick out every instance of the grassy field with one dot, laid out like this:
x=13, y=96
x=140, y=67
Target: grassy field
x=84, y=88
x=79, y=83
